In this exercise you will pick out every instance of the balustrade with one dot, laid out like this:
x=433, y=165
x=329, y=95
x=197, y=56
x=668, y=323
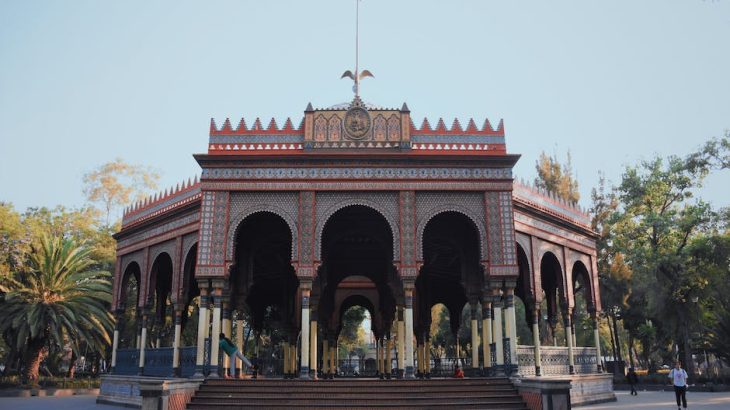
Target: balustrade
x=554, y=360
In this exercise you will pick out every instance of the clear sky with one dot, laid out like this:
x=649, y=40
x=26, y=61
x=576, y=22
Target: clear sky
x=83, y=82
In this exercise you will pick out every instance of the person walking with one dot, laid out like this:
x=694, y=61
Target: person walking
x=679, y=378
x=633, y=378
x=232, y=351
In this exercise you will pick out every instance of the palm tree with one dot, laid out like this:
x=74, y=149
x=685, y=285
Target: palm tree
x=59, y=300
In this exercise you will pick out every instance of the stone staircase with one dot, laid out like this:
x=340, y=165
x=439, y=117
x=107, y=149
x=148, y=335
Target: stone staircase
x=472, y=393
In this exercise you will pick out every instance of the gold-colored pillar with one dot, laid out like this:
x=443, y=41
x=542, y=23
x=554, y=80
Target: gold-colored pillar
x=313, y=345
x=239, y=344
x=287, y=361
x=333, y=363
x=388, y=358
x=325, y=357
x=227, y=329
x=427, y=356
x=487, y=335
x=474, y=336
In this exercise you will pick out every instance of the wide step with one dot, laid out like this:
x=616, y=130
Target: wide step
x=228, y=394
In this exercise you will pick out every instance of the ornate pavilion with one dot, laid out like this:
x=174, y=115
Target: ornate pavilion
x=356, y=206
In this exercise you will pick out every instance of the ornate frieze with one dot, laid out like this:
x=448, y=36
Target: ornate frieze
x=384, y=185
x=244, y=204
x=158, y=230
x=552, y=229
x=430, y=204
x=385, y=203
x=339, y=173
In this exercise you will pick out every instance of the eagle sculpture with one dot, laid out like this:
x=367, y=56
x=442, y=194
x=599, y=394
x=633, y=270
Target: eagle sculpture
x=356, y=78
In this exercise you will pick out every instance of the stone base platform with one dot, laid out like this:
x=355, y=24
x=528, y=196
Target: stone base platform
x=565, y=392
x=135, y=391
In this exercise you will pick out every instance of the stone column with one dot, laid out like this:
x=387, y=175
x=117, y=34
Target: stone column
x=419, y=358
x=138, y=335
x=512, y=320
x=497, y=333
x=285, y=351
x=409, y=331
x=597, y=342
x=474, y=338
x=118, y=324
x=325, y=357
x=203, y=324
x=293, y=358
x=215, y=330
x=176, y=343
x=378, y=358
x=313, y=345
x=487, y=336
x=304, y=374
x=400, y=336
x=239, y=344
x=227, y=329
x=536, y=338
x=571, y=359
x=142, y=342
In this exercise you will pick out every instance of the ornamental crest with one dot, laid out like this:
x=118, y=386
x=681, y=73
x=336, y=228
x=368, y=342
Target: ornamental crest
x=357, y=122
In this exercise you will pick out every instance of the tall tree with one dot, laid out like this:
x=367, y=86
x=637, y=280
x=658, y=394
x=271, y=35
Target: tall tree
x=557, y=177
x=117, y=183
x=59, y=300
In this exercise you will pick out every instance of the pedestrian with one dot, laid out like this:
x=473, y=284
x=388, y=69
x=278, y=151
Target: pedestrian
x=679, y=378
x=232, y=351
x=458, y=373
x=633, y=378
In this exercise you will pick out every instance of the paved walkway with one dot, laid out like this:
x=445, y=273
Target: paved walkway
x=657, y=400
x=644, y=401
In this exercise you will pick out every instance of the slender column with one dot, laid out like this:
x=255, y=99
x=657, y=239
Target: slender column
x=239, y=345
x=202, y=329
x=313, y=345
x=304, y=374
x=325, y=357
x=597, y=342
x=427, y=357
x=142, y=343
x=119, y=317
x=409, y=332
x=378, y=358
x=512, y=320
x=498, y=340
x=176, y=343
x=215, y=337
x=389, y=358
x=400, y=336
x=536, y=339
x=571, y=359
x=333, y=365
x=474, y=337
x=285, y=352
x=227, y=329
x=138, y=335
x=419, y=359
x=487, y=335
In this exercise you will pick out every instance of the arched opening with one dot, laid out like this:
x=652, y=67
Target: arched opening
x=355, y=337
x=191, y=300
x=553, y=301
x=129, y=303
x=583, y=302
x=159, y=302
x=356, y=270
x=262, y=287
x=524, y=299
x=451, y=275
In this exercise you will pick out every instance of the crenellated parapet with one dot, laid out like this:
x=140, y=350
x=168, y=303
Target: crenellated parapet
x=550, y=203
x=345, y=128
x=162, y=202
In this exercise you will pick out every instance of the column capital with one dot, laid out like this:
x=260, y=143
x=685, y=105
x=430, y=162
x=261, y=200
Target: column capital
x=305, y=284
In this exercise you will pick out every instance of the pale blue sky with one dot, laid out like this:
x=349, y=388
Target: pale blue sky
x=83, y=82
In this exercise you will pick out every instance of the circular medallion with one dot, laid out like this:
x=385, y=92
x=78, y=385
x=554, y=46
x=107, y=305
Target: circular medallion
x=357, y=122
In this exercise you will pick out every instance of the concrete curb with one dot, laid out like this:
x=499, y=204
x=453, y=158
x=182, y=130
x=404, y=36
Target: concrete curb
x=52, y=392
